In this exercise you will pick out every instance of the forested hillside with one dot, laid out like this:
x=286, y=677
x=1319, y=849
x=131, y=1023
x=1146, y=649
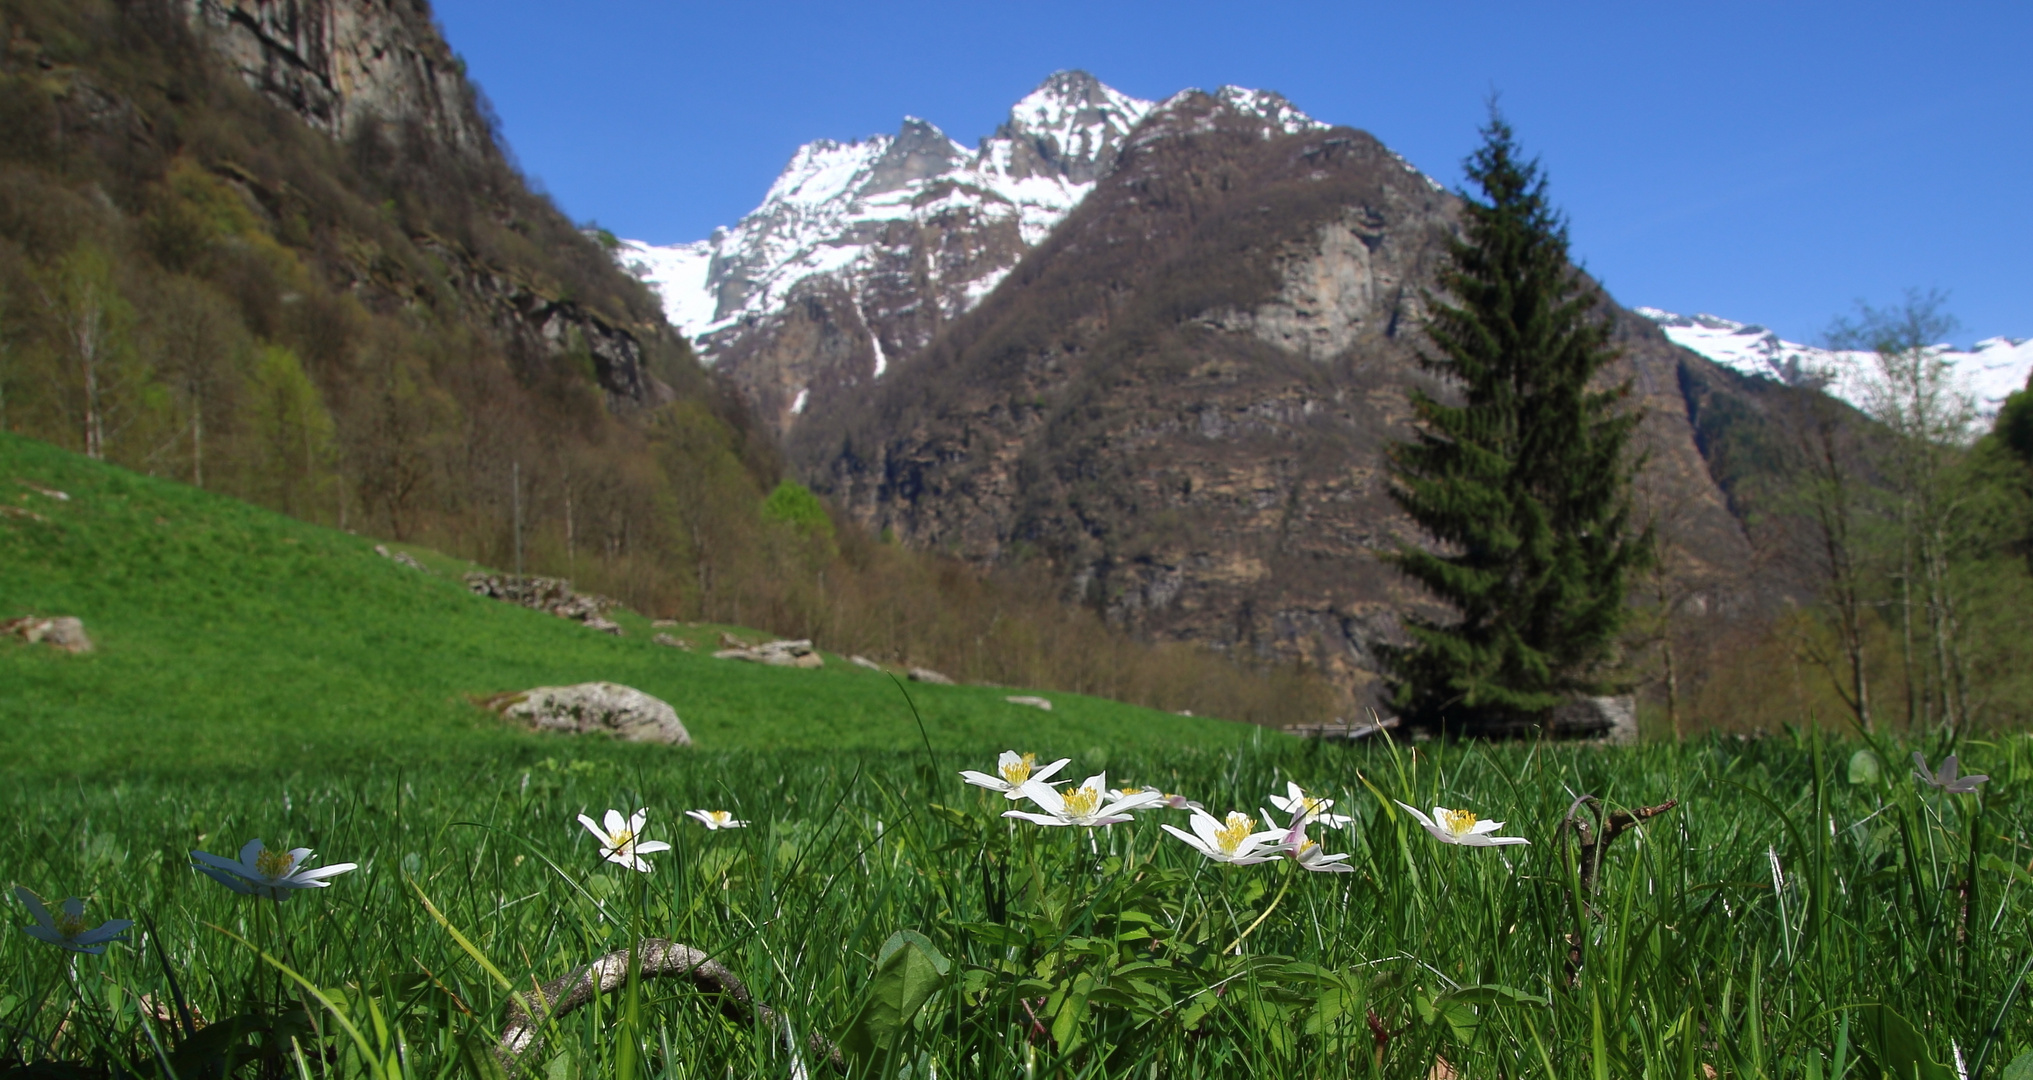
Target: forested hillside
x=277, y=250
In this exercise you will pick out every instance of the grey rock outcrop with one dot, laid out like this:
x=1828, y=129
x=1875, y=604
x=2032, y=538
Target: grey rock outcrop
x=401, y=558
x=358, y=68
x=1031, y=701
x=797, y=654
x=551, y=595
x=603, y=708
x=927, y=675
x=343, y=65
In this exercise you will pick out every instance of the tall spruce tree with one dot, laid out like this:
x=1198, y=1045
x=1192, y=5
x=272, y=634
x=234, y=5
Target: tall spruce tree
x=1525, y=483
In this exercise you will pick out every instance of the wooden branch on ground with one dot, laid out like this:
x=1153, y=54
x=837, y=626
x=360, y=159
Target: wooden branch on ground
x=658, y=959
x=1595, y=841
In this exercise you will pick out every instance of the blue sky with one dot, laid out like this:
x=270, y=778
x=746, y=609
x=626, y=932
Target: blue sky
x=1771, y=162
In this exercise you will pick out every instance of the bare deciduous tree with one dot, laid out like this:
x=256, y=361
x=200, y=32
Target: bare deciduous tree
x=1911, y=388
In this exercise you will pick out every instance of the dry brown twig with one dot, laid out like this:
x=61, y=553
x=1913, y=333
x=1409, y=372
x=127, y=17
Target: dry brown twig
x=1594, y=841
x=657, y=959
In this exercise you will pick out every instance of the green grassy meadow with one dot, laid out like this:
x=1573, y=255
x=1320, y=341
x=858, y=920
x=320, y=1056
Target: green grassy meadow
x=235, y=639
x=1807, y=909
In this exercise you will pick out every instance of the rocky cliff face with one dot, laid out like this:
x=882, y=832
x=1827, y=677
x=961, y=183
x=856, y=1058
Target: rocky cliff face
x=862, y=253
x=1182, y=398
x=346, y=64
x=380, y=69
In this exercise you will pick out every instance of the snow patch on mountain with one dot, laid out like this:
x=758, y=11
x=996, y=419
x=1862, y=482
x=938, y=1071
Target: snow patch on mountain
x=1989, y=371
x=829, y=211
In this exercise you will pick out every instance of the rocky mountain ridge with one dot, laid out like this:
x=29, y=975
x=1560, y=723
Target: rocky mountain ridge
x=861, y=252
x=1182, y=397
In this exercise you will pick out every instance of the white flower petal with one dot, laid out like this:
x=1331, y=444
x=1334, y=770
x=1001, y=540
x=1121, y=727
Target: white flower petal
x=1048, y=770
x=238, y=883
x=616, y=824
x=1048, y=799
x=34, y=903
x=1204, y=824
x=221, y=862
x=106, y=931
x=651, y=846
x=1041, y=819
x=1417, y=813
x=1199, y=845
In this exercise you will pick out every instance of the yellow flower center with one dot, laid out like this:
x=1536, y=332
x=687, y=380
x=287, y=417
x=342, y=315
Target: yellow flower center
x=1081, y=802
x=1312, y=805
x=1304, y=847
x=1458, y=822
x=1016, y=772
x=69, y=925
x=273, y=864
x=620, y=840
x=1231, y=836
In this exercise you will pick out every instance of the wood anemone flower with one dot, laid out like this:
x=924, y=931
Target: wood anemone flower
x=715, y=820
x=262, y=872
x=67, y=929
x=621, y=840
x=1014, y=773
x=1306, y=808
x=1088, y=805
x=1231, y=841
x=1309, y=854
x=1946, y=779
x=1462, y=827
x=1165, y=799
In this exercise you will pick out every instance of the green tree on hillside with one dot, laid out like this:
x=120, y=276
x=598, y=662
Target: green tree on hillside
x=1525, y=483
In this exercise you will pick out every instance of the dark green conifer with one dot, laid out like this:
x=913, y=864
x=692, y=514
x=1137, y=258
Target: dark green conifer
x=1525, y=483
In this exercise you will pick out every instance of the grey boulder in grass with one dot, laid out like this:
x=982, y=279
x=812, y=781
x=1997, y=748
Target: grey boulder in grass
x=66, y=632
x=797, y=654
x=595, y=707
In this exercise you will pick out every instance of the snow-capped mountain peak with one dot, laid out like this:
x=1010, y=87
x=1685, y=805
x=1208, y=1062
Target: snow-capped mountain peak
x=1073, y=122
x=1988, y=372
x=1282, y=116
x=825, y=212
x=861, y=251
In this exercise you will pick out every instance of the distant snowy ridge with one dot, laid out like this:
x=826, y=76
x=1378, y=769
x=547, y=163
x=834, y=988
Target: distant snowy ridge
x=1989, y=372
x=837, y=207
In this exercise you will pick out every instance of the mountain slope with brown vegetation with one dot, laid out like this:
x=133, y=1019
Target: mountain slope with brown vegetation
x=1179, y=403
x=274, y=248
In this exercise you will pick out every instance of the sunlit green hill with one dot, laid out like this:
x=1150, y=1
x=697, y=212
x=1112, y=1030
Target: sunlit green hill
x=233, y=638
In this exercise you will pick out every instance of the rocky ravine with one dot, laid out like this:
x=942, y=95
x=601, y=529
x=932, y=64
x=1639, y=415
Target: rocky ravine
x=1182, y=399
